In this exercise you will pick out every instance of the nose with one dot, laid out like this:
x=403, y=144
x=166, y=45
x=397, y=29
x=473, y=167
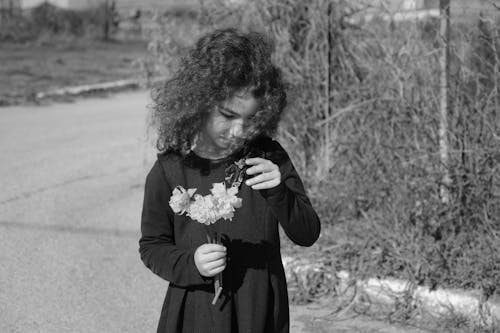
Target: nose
x=236, y=130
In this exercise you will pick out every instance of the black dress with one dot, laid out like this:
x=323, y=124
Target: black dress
x=255, y=295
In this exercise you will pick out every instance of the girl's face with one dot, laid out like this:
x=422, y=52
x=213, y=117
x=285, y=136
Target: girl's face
x=226, y=125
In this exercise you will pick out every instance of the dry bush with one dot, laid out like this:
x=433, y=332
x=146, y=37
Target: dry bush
x=17, y=29
x=47, y=19
x=364, y=123
x=362, y=128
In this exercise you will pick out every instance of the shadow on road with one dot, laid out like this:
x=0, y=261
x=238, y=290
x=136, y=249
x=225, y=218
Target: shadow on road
x=71, y=230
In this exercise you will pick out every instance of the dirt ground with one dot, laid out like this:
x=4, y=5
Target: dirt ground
x=319, y=317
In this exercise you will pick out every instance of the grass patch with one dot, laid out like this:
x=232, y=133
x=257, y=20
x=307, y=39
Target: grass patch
x=57, y=63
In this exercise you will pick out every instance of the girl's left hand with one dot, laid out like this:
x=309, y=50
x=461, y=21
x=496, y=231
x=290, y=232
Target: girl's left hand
x=269, y=174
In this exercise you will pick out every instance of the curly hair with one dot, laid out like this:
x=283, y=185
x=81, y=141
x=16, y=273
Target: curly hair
x=221, y=64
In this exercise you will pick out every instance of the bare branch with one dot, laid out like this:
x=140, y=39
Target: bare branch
x=492, y=2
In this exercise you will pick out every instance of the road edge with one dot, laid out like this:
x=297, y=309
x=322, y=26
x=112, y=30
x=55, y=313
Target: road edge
x=388, y=291
x=110, y=86
x=89, y=88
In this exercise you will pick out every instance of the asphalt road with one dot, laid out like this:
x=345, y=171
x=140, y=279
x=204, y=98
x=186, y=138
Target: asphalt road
x=70, y=201
x=71, y=182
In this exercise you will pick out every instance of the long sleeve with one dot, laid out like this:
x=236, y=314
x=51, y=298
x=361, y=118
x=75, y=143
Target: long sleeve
x=289, y=202
x=157, y=244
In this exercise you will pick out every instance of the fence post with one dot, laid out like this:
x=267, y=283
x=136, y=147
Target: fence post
x=328, y=109
x=2, y=12
x=106, y=20
x=444, y=64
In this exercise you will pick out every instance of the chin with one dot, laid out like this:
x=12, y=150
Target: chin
x=230, y=145
x=224, y=146
x=230, y=148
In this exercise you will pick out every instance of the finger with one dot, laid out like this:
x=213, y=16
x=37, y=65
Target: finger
x=262, y=167
x=217, y=270
x=255, y=160
x=210, y=247
x=215, y=264
x=266, y=185
x=263, y=177
x=213, y=256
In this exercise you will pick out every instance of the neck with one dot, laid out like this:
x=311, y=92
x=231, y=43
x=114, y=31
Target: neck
x=209, y=154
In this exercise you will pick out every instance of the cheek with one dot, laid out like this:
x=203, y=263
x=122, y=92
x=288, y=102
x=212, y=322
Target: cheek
x=218, y=126
x=222, y=125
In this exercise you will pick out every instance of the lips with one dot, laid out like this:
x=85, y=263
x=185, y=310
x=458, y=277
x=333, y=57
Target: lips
x=230, y=143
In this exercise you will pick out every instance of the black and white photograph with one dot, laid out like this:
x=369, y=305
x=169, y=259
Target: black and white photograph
x=250, y=166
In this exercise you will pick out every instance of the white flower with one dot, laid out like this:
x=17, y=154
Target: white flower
x=203, y=210
x=233, y=199
x=218, y=189
x=206, y=209
x=181, y=199
x=225, y=200
x=224, y=195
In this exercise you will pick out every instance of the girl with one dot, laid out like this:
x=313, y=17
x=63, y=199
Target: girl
x=218, y=110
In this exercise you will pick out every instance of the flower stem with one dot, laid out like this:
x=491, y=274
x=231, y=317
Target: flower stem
x=215, y=238
x=218, y=291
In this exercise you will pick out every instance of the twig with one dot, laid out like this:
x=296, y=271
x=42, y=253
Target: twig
x=494, y=4
x=352, y=107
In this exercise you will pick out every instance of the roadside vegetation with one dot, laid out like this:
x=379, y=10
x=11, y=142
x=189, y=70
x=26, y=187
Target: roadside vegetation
x=47, y=19
x=362, y=127
x=49, y=48
x=52, y=64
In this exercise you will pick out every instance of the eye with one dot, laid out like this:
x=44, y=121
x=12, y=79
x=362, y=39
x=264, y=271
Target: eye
x=226, y=114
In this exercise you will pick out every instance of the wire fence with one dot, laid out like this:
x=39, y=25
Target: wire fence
x=461, y=10
x=127, y=19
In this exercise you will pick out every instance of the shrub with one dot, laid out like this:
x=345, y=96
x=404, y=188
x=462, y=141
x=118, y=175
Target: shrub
x=362, y=128
x=49, y=19
x=52, y=19
x=17, y=30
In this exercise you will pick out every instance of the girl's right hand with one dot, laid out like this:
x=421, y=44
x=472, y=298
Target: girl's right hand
x=210, y=259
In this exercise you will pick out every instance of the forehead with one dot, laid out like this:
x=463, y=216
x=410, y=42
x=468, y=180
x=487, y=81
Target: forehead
x=243, y=104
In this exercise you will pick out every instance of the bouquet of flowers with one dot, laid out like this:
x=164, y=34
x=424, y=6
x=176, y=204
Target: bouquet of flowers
x=208, y=209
